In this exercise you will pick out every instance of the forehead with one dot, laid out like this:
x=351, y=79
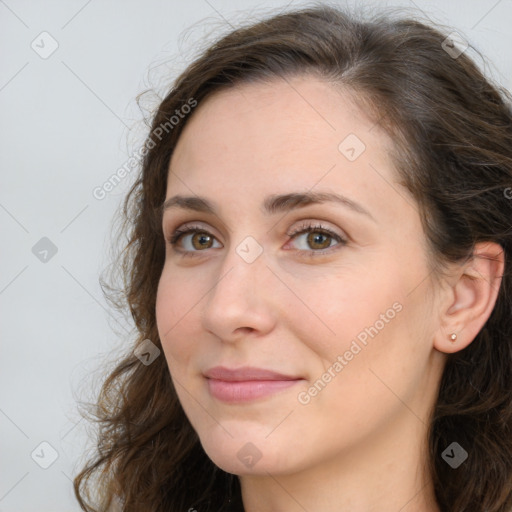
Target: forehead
x=297, y=133
x=301, y=106
x=303, y=112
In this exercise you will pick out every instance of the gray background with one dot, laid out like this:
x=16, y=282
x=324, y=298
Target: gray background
x=68, y=121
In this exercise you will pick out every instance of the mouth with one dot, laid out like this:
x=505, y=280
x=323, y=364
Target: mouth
x=246, y=384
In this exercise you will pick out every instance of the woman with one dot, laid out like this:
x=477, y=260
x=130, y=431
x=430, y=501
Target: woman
x=319, y=271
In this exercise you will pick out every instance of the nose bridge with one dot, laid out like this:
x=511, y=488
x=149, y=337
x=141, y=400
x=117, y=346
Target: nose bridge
x=239, y=274
x=240, y=295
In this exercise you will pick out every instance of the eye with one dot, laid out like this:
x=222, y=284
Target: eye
x=195, y=239
x=318, y=237
x=199, y=239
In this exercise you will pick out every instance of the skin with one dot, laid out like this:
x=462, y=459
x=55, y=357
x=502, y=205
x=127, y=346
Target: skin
x=360, y=443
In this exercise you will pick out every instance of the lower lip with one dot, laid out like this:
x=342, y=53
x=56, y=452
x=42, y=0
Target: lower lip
x=245, y=391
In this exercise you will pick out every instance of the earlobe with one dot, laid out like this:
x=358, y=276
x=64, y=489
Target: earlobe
x=473, y=296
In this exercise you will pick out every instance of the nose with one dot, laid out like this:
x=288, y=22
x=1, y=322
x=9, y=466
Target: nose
x=240, y=300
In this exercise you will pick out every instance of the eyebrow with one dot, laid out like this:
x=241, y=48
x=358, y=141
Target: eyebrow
x=273, y=204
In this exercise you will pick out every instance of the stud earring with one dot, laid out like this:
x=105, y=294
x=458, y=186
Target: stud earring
x=453, y=337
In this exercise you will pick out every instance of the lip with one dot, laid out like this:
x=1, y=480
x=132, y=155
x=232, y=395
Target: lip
x=235, y=385
x=245, y=373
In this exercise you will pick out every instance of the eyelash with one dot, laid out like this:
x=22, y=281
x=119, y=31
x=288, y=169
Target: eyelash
x=303, y=228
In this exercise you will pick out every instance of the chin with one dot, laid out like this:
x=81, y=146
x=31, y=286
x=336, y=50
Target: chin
x=231, y=463
x=245, y=453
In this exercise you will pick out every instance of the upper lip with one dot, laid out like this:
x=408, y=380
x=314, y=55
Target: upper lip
x=245, y=373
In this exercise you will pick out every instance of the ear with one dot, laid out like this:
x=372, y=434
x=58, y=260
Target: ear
x=470, y=297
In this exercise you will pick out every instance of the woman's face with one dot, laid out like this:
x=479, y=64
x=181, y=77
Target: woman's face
x=341, y=309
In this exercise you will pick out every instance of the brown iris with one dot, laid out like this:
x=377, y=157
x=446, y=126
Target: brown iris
x=313, y=240
x=200, y=237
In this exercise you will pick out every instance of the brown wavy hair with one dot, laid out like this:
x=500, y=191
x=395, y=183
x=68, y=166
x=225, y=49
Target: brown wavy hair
x=452, y=133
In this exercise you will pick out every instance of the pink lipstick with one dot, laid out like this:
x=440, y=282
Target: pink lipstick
x=246, y=383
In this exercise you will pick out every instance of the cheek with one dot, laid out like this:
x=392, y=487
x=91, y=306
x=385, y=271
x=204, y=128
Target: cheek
x=174, y=305
x=351, y=304
x=370, y=350
x=384, y=347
